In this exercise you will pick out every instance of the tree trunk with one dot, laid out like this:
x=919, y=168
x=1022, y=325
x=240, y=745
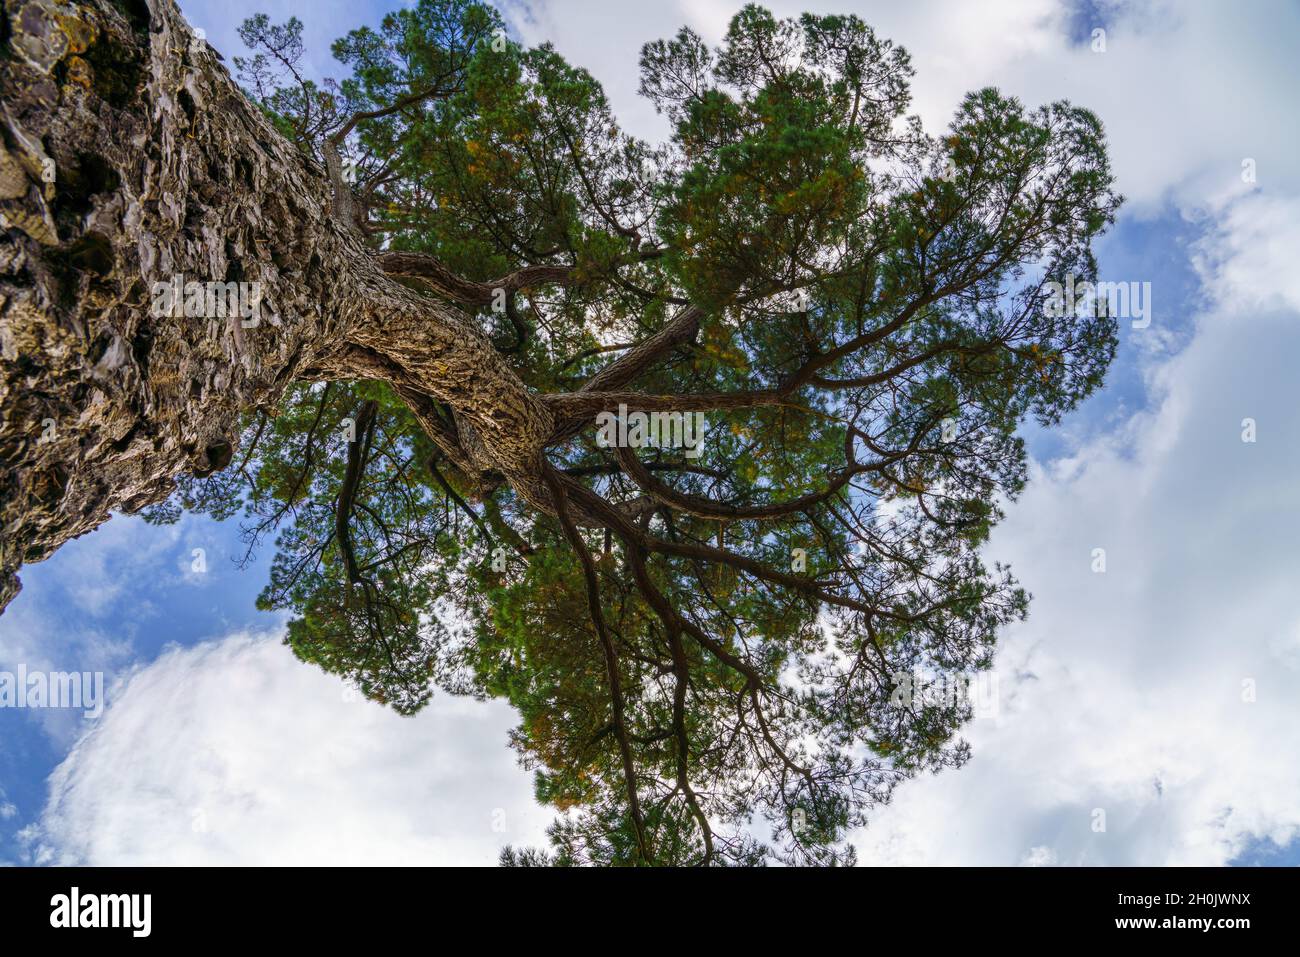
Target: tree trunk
x=129, y=157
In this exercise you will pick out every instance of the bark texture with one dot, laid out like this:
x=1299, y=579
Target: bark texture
x=129, y=156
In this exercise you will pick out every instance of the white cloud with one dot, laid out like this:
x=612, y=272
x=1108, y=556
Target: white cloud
x=1250, y=254
x=234, y=752
x=1039, y=857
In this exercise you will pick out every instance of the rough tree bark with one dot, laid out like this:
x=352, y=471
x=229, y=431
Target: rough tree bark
x=130, y=156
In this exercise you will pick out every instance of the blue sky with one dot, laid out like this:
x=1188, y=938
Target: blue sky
x=1121, y=693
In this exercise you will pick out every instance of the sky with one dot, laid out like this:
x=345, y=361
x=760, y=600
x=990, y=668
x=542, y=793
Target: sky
x=1145, y=714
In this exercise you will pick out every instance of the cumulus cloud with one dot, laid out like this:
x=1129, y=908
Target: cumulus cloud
x=234, y=752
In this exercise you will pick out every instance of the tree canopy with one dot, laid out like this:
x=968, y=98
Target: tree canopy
x=705, y=650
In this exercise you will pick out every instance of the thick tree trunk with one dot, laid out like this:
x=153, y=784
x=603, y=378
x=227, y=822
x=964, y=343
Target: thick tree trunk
x=129, y=157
